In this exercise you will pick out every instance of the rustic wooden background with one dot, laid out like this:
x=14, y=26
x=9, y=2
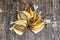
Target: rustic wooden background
x=49, y=8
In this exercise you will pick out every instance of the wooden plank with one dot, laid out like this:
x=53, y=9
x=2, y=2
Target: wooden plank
x=48, y=7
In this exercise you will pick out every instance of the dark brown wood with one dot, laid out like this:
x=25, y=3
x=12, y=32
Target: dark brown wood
x=49, y=8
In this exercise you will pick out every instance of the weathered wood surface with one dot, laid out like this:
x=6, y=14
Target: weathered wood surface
x=48, y=8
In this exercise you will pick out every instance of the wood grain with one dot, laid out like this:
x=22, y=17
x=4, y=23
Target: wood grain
x=48, y=8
